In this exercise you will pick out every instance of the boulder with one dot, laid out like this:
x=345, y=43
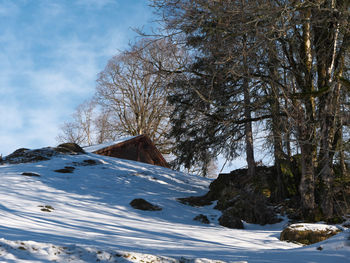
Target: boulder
x=30, y=174
x=142, y=204
x=65, y=170
x=230, y=219
x=308, y=233
x=70, y=148
x=250, y=207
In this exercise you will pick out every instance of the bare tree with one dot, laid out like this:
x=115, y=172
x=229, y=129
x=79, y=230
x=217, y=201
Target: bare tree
x=80, y=130
x=70, y=132
x=132, y=88
x=103, y=128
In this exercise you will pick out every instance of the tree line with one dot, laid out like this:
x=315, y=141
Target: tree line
x=228, y=72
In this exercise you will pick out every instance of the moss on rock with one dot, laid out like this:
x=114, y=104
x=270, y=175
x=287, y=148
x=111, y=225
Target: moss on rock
x=299, y=234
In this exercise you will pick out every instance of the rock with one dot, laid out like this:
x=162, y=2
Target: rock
x=245, y=196
x=24, y=155
x=30, y=174
x=250, y=207
x=308, y=233
x=217, y=188
x=87, y=162
x=46, y=208
x=202, y=218
x=66, y=169
x=70, y=148
x=195, y=200
x=142, y=204
x=231, y=220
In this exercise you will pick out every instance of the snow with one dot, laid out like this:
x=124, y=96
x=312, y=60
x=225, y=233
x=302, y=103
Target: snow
x=94, y=148
x=89, y=218
x=314, y=227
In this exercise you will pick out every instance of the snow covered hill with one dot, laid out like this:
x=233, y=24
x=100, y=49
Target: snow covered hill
x=84, y=215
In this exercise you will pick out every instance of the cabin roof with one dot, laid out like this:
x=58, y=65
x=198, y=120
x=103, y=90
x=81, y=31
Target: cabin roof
x=97, y=147
x=110, y=149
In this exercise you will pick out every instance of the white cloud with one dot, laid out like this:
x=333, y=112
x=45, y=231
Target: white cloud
x=95, y=3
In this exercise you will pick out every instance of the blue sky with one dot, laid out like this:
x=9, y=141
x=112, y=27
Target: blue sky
x=50, y=54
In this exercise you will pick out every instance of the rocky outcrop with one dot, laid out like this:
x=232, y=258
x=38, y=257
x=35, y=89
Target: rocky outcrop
x=240, y=198
x=24, y=155
x=308, y=233
x=251, y=208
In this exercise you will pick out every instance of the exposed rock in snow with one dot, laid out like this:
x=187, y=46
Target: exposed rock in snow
x=142, y=204
x=308, y=233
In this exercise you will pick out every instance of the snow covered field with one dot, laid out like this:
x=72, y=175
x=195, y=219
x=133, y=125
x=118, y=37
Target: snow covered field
x=85, y=216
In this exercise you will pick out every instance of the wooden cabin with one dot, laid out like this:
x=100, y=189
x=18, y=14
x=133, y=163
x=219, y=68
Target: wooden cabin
x=138, y=148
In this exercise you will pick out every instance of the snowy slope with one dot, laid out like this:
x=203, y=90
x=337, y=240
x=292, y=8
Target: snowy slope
x=87, y=218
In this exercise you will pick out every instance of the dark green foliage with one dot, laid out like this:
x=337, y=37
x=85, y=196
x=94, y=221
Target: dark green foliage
x=208, y=98
x=199, y=127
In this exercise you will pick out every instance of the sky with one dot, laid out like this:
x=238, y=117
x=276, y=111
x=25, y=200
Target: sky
x=51, y=52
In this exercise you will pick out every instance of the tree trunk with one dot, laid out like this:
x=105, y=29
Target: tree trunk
x=325, y=158
x=307, y=184
x=277, y=129
x=307, y=130
x=248, y=130
x=278, y=148
x=325, y=43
